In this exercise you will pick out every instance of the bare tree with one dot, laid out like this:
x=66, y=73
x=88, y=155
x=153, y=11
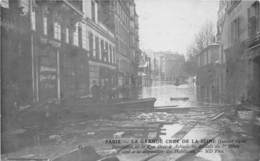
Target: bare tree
x=203, y=38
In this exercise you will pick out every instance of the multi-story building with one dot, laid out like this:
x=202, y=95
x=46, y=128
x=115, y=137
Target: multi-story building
x=208, y=79
x=18, y=83
x=86, y=46
x=170, y=65
x=61, y=47
x=221, y=62
x=121, y=18
x=46, y=29
x=100, y=42
x=253, y=52
x=173, y=65
x=239, y=39
x=155, y=63
x=144, y=71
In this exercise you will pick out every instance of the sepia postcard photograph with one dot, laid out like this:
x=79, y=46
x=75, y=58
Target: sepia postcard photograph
x=130, y=80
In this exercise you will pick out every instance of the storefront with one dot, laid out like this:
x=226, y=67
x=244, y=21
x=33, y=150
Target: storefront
x=94, y=71
x=124, y=76
x=74, y=63
x=16, y=76
x=252, y=56
x=206, y=87
x=101, y=73
x=47, y=69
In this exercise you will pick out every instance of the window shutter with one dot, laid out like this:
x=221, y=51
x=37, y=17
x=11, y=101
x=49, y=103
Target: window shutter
x=97, y=47
x=50, y=26
x=249, y=23
x=258, y=16
x=80, y=35
x=91, y=44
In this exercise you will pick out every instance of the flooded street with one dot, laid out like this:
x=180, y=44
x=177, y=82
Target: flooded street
x=164, y=91
x=169, y=126
x=130, y=80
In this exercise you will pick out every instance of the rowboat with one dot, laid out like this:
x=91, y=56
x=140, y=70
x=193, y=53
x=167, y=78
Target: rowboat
x=116, y=105
x=179, y=98
x=138, y=103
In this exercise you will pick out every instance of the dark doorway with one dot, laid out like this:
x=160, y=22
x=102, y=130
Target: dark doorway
x=257, y=80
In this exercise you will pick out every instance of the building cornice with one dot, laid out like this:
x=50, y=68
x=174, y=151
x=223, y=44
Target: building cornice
x=73, y=7
x=99, y=29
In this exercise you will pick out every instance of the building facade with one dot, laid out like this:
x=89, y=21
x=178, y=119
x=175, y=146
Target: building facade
x=120, y=17
x=222, y=57
x=209, y=78
x=239, y=42
x=144, y=71
x=61, y=47
x=170, y=66
x=101, y=46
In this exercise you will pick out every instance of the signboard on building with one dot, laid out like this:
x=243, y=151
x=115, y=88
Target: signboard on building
x=48, y=75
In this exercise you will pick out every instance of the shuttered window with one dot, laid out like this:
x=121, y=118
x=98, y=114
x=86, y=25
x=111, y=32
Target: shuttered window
x=91, y=44
x=76, y=35
x=97, y=47
x=57, y=31
x=253, y=20
x=84, y=36
x=45, y=26
x=235, y=30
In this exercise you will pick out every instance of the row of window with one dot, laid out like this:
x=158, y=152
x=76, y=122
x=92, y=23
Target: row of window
x=210, y=56
x=99, y=49
x=254, y=19
x=253, y=23
x=123, y=16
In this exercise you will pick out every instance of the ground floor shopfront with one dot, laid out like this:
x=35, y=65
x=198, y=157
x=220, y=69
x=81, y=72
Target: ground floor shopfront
x=74, y=72
x=41, y=70
x=210, y=84
x=144, y=80
x=16, y=76
x=252, y=58
x=127, y=74
x=46, y=69
x=102, y=74
x=243, y=74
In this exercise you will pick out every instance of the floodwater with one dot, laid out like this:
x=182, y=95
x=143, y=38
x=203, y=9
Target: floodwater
x=191, y=124
x=164, y=91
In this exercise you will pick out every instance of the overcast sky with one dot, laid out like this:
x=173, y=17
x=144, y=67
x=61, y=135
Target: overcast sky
x=172, y=24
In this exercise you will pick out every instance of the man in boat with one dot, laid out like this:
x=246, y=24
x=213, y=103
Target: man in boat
x=95, y=91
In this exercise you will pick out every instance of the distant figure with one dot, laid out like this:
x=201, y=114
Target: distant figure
x=114, y=92
x=177, y=82
x=95, y=91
